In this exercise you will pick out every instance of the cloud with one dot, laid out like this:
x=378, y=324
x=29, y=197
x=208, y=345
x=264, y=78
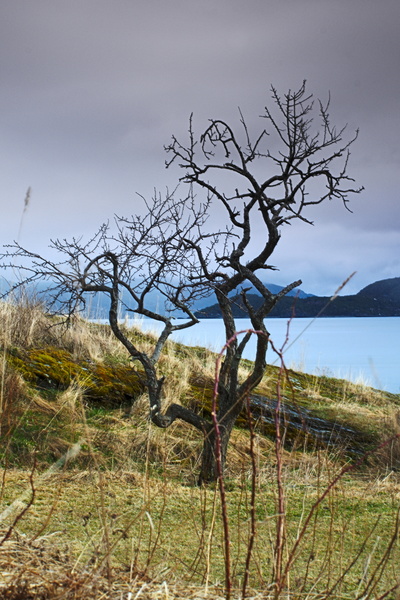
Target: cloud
x=91, y=91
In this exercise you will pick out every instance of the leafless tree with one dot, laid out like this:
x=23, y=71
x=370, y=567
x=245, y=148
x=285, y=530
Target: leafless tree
x=298, y=160
x=260, y=184
x=127, y=263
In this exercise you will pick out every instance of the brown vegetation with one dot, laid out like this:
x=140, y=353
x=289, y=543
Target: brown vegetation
x=96, y=502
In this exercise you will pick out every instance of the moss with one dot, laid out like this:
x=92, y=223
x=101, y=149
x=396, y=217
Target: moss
x=119, y=382
x=53, y=368
x=50, y=366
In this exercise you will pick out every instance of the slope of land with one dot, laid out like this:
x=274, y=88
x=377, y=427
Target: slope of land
x=97, y=502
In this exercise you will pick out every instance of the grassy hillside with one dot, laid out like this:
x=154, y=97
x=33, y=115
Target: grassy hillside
x=96, y=502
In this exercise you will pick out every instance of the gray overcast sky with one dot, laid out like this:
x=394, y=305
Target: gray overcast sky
x=91, y=90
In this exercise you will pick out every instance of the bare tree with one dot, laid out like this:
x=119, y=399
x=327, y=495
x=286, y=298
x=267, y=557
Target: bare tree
x=269, y=177
x=127, y=262
x=260, y=183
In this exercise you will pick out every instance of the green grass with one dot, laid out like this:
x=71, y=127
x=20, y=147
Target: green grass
x=127, y=505
x=157, y=526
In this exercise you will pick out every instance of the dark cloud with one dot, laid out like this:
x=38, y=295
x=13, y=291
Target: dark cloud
x=90, y=91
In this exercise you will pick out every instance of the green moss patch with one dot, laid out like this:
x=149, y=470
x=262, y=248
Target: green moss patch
x=54, y=368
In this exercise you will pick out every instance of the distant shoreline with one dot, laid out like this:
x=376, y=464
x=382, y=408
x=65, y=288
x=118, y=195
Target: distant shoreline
x=379, y=299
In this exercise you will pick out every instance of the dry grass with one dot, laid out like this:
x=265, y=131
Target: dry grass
x=43, y=570
x=128, y=523
x=12, y=396
x=26, y=325
x=120, y=531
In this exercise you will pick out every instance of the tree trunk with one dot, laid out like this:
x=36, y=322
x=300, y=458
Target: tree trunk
x=209, y=464
x=208, y=470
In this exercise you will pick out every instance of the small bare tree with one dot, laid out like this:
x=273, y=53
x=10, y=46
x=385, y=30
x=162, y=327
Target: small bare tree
x=128, y=263
x=260, y=184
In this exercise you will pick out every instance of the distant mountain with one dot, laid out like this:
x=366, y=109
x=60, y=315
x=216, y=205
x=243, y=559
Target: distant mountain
x=275, y=289
x=388, y=289
x=379, y=299
x=97, y=305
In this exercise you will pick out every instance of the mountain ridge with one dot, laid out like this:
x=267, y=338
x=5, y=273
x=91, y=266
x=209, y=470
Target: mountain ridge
x=378, y=299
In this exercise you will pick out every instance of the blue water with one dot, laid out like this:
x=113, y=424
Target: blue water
x=363, y=350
